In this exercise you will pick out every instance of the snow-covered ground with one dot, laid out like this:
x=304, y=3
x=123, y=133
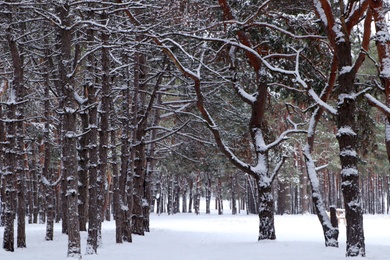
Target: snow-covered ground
x=188, y=236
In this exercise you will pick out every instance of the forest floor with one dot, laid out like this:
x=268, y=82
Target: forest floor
x=189, y=236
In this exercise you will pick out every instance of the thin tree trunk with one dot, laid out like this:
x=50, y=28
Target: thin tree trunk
x=83, y=171
x=10, y=177
x=103, y=129
x=208, y=192
x=2, y=161
x=190, y=195
x=234, y=193
x=219, y=197
x=139, y=149
x=93, y=190
x=46, y=171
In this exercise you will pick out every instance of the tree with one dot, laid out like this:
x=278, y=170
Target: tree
x=257, y=124
x=69, y=113
x=339, y=36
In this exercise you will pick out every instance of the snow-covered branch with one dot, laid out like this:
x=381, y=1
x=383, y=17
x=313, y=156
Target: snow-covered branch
x=284, y=136
x=379, y=105
x=295, y=73
x=169, y=134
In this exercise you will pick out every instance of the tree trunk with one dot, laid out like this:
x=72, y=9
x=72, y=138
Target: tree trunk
x=69, y=126
x=9, y=173
x=184, y=199
x=176, y=195
x=2, y=167
x=83, y=170
x=197, y=200
x=103, y=129
x=284, y=197
x=46, y=171
x=93, y=218
x=190, y=195
x=266, y=212
x=170, y=196
x=208, y=192
x=234, y=193
x=139, y=111
x=347, y=139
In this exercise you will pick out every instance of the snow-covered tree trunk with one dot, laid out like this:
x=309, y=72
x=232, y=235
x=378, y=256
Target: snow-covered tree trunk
x=382, y=41
x=119, y=179
x=10, y=175
x=104, y=127
x=70, y=127
x=266, y=211
x=331, y=232
x=46, y=171
x=34, y=185
x=151, y=162
x=118, y=215
x=139, y=140
x=339, y=34
x=93, y=218
x=347, y=139
x=83, y=169
x=20, y=93
x=125, y=186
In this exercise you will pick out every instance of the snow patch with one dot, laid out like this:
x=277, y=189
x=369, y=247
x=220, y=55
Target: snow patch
x=345, y=130
x=345, y=69
x=321, y=12
x=349, y=172
x=348, y=152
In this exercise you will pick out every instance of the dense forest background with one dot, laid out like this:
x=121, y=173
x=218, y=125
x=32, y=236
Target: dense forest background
x=124, y=108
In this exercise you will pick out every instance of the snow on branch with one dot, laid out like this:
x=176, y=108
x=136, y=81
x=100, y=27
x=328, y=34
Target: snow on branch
x=247, y=98
x=379, y=105
x=79, y=99
x=343, y=97
x=292, y=35
x=284, y=136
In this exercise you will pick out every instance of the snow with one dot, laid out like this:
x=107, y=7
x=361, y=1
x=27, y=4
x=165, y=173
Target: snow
x=345, y=69
x=193, y=237
x=246, y=96
x=385, y=73
x=387, y=132
x=340, y=37
x=348, y=152
x=346, y=130
x=321, y=12
x=349, y=172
